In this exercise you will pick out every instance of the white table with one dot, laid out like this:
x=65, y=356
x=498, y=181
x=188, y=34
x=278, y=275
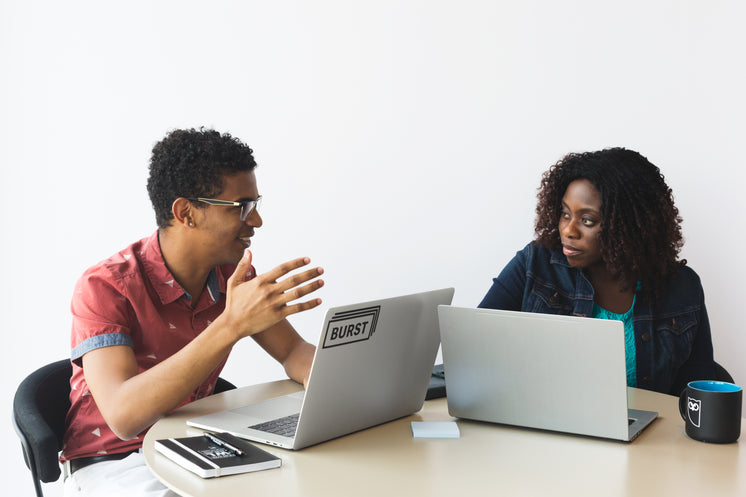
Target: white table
x=487, y=459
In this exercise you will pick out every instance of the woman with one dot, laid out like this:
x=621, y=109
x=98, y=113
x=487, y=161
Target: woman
x=607, y=242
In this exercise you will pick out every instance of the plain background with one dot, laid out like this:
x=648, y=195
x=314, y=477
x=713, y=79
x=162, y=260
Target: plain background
x=400, y=143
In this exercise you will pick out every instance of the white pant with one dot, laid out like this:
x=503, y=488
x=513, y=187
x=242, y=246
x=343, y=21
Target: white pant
x=128, y=477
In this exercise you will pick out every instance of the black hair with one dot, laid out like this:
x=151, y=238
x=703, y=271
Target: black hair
x=193, y=163
x=640, y=235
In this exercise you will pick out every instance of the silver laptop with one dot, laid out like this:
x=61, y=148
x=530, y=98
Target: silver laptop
x=550, y=372
x=373, y=364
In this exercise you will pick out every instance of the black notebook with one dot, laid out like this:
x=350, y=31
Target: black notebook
x=217, y=454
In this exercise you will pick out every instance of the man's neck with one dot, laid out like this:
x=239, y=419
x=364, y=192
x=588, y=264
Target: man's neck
x=183, y=263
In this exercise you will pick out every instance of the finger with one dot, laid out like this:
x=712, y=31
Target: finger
x=302, y=291
x=297, y=279
x=285, y=268
x=303, y=306
x=242, y=268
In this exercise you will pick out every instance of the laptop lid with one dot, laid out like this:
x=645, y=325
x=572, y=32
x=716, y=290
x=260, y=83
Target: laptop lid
x=372, y=365
x=560, y=373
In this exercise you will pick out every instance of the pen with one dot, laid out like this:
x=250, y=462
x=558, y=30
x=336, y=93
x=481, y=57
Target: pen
x=219, y=441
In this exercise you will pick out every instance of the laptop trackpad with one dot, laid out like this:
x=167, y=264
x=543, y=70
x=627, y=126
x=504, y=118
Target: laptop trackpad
x=276, y=407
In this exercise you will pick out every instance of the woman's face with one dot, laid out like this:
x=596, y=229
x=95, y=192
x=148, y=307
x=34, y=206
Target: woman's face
x=580, y=224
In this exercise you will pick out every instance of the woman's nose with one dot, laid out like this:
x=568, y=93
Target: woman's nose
x=569, y=230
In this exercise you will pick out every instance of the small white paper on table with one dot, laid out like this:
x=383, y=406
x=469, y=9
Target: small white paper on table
x=435, y=429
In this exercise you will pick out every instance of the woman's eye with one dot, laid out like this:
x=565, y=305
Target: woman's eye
x=588, y=222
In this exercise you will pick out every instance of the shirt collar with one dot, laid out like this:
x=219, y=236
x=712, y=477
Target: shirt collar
x=213, y=286
x=164, y=283
x=559, y=258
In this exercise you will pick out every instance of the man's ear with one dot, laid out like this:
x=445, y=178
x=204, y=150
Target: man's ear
x=183, y=211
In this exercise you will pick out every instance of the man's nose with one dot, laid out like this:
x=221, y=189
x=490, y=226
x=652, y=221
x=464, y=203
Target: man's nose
x=254, y=219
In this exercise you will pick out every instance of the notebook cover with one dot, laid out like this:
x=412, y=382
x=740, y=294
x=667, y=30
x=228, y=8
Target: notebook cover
x=208, y=459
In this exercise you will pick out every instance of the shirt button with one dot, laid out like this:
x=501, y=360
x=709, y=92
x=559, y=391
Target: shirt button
x=645, y=337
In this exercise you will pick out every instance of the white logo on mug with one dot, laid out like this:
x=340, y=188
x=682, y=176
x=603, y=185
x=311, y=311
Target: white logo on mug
x=695, y=411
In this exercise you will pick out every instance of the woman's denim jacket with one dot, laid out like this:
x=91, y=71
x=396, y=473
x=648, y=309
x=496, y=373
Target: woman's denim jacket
x=672, y=335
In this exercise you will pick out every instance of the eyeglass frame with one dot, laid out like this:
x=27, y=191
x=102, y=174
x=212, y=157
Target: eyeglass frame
x=254, y=204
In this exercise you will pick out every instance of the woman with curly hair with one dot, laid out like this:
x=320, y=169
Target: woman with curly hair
x=607, y=242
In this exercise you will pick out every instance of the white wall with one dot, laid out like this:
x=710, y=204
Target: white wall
x=400, y=142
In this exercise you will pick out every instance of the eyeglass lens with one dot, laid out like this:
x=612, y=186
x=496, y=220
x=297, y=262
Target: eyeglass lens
x=248, y=207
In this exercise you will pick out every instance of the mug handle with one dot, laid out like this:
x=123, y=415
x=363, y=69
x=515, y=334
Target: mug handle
x=682, y=404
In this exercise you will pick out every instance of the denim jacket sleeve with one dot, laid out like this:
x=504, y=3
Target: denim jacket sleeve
x=507, y=289
x=672, y=337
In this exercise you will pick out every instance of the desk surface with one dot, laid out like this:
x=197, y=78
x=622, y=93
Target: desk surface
x=486, y=458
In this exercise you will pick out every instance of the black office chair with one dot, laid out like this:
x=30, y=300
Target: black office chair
x=39, y=409
x=722, y=375
x=222, y=385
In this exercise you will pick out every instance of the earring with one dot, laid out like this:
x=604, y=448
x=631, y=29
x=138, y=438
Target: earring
x=191, y=224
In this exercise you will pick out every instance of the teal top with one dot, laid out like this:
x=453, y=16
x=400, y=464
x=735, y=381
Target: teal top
x=629, y=337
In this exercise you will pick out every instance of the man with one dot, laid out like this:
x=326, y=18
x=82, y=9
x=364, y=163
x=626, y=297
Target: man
x=153, y=325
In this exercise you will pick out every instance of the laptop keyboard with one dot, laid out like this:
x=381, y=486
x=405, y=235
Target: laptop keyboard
x=281, y=426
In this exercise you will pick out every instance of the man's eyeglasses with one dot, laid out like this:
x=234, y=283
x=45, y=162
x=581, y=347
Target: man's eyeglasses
x=247, y=206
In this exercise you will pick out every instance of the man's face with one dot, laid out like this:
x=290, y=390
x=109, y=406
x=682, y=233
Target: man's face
x=223, y=236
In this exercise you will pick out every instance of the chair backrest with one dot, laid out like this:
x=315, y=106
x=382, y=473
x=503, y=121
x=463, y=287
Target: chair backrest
x=722, y=374
x=39, y=409
x=223, y=385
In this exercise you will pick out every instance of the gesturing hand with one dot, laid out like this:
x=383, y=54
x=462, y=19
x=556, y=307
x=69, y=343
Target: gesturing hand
x=255, y=305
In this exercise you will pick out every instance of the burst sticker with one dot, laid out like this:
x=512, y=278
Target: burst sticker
x=351, y=326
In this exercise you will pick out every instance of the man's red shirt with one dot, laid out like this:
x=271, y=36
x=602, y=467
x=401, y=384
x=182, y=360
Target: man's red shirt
x=132, y=299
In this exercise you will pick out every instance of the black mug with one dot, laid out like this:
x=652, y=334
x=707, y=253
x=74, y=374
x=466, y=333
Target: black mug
x=712, y=411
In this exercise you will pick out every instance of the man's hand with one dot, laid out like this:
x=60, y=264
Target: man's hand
x=255, y=305
x=130, y=401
